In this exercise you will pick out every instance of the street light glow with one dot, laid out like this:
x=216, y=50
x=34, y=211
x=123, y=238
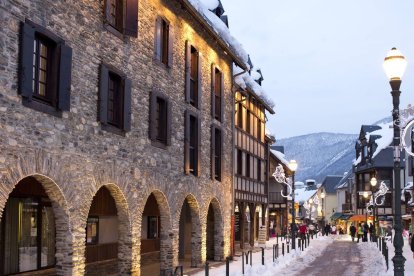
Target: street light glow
x=322, y=195
x=366, y=194
x=394, y=64
x=293, y=165
x=373, y=182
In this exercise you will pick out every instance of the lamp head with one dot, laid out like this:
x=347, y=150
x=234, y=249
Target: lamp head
x=293, y=165
x=394, y=65
x=366, y=194
x=323, y=195
x=373, y=182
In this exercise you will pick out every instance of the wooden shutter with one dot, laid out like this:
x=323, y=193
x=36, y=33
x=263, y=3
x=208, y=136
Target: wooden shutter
x=198, y=146
x=170, y=45
x=131, y=18
x=199, y=80
x=186, y=142
x=222, y=98
x=103, y=94
x=26, y=61
x=107, y=10
x=221, y=154
x=169, y=114
x=187, y=70
x=127, y=104
x=157, y=38
x=152, y=116
x=213, y=151
x=213, y=92
x=65, y=76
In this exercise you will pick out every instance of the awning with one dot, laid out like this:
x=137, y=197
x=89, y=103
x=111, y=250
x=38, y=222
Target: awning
x=360, y=218
x=336, y=216
x=406, y=217
x=345, y=216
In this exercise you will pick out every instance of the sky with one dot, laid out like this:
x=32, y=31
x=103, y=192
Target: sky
x=322, y=59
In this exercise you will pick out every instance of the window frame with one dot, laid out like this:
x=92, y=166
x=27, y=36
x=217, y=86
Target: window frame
x=163, y=42
x=193, y=97
x=216, y=153
x=196, y=171
x=129, y=20
x=96, y=218
x=217, y=115
x=155, y=95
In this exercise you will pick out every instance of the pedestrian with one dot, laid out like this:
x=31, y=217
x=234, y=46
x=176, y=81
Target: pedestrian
x=360, y=232
x=366, y=228
x=352, y=230
x=412, y=245
x=302, y=231
x=371, y=232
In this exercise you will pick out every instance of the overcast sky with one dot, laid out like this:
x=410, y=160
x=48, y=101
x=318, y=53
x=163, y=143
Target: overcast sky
x=322, y=59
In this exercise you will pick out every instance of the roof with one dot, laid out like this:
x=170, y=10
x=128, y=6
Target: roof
x=368, y=128
x=343, y=183
x=330, y=182
x=279, y=156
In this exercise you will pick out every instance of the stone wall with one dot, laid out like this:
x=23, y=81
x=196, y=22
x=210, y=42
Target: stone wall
x=73, y=157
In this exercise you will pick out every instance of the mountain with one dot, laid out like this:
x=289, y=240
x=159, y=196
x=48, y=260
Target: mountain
x=320, y=154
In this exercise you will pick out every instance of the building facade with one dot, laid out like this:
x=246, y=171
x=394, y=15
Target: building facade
x=116, y=125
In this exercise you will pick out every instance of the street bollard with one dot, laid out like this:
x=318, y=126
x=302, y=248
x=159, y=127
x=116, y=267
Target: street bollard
x=251, y=263
x=277, y=237
x=247, y=257
x=386, y=255
x=277, y=251
x=299, y=243
x=274, y=252
x=206, y=268
x=262, y=255
x=303, y=242
x=308, y=240
x=243, y=263
x=227, y=266
x=379, y=245
x=287, y=248
x=283, y=249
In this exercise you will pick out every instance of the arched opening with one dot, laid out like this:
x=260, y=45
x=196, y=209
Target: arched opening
x=150, y=237
x=214, y=232
x=102, y=233
x=28, y=230
x=189, y=234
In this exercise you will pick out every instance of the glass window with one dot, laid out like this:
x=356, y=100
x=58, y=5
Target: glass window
x=92, y=230
x=152, y=227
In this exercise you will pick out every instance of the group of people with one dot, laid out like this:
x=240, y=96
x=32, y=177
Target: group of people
x=362, y=232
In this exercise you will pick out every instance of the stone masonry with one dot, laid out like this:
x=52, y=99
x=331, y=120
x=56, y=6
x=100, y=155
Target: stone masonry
x=73, y=157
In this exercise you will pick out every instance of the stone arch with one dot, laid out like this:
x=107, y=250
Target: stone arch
x=64, y=264
x=124, y=226
x=218, y=235
x=166, y=241
x=196, y=229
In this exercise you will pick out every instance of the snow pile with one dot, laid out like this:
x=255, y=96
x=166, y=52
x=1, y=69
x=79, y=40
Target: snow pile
x=203, y=8
x=280, y=156
x=246, y=81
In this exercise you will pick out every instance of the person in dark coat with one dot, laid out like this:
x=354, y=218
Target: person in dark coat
x=412, y=245
x=366, y=229
x=352, y=230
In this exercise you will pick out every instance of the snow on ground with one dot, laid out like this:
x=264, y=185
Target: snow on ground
x=292, y=262
x=374, y=261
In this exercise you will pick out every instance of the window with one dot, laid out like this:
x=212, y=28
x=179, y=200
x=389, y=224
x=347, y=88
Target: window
x=92, y=230
x=193, y=76
x=163, y=41
x=248, y=121
x=192, y=143
x=44, y=70
x=247, y=165
x=259, y=170
x=114, y=100
x=217, y=82
x=239, y=162
x=152, y=227
x=216, y=153
x=122, y=17
x=259, y=130
x=240, y=115
x=160, y=115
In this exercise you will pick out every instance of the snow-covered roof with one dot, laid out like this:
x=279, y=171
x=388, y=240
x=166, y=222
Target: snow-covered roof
x=280, y=156
x=204, y=7
x=303, y=194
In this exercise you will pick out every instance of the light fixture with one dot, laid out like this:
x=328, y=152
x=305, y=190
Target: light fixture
x=310, y=200
x=293, y=165
x=373, y=182
x=394, y=64
x=322, y=195
x=365, y=194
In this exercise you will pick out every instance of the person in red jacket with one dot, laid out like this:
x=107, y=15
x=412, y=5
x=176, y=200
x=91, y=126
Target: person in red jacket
x=303, y=230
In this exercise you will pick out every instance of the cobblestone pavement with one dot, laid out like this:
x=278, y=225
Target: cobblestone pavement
x=341, y=258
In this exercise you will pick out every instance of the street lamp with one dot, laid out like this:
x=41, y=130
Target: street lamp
x=292, y=167
x=394, y=66
x=374, y=182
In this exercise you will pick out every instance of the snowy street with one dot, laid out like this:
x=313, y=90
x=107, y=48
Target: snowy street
x=333, y=255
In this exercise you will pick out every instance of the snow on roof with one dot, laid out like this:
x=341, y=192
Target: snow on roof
x=202, y=7
x=280, y=156
x=210, y=4
x=255, y=75
x=303, y=194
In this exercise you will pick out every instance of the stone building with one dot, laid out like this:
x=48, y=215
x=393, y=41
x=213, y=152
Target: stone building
x=116, y=136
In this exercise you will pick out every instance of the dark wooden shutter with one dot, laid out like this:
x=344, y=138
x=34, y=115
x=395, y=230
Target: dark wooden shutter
x=199, y=80
x=103, y=95
x=152, y=116
x=221, y=154
x=157, y=38
x=26, y=61
x=169, y=114
x=213, y=151
x=187, y=70
x=198, y=146
x=127, y=104
x=131, y=18
x=222, y=99
x=170, y=45
x=213, y=92
x=65, y=77
x=107, y=10
x=186, y=142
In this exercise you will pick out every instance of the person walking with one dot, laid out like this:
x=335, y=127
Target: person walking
x=303, y=229
x=360, y=232
x=352, y=230
x=366, y=228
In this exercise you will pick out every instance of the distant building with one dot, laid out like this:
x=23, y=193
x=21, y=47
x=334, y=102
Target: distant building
x=329, y=202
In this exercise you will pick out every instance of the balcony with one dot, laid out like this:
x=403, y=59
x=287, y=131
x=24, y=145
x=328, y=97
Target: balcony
x=276, y=197
x=346, y=207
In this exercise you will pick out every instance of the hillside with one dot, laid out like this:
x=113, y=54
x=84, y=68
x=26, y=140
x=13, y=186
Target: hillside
x=320, y=154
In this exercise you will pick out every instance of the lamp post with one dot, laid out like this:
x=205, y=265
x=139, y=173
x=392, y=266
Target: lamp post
x=323, y=209
x=373, y=182
x=292, y=167
x=365, y=195
x=394, y=66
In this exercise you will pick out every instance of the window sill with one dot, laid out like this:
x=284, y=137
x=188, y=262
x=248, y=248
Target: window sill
x=115, y=32
x=158, y=144
x=161, y=64
x=113, y=129
x=42, y=107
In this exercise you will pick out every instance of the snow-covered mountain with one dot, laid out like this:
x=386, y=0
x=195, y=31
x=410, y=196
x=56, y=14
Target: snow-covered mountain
x=320, y=154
